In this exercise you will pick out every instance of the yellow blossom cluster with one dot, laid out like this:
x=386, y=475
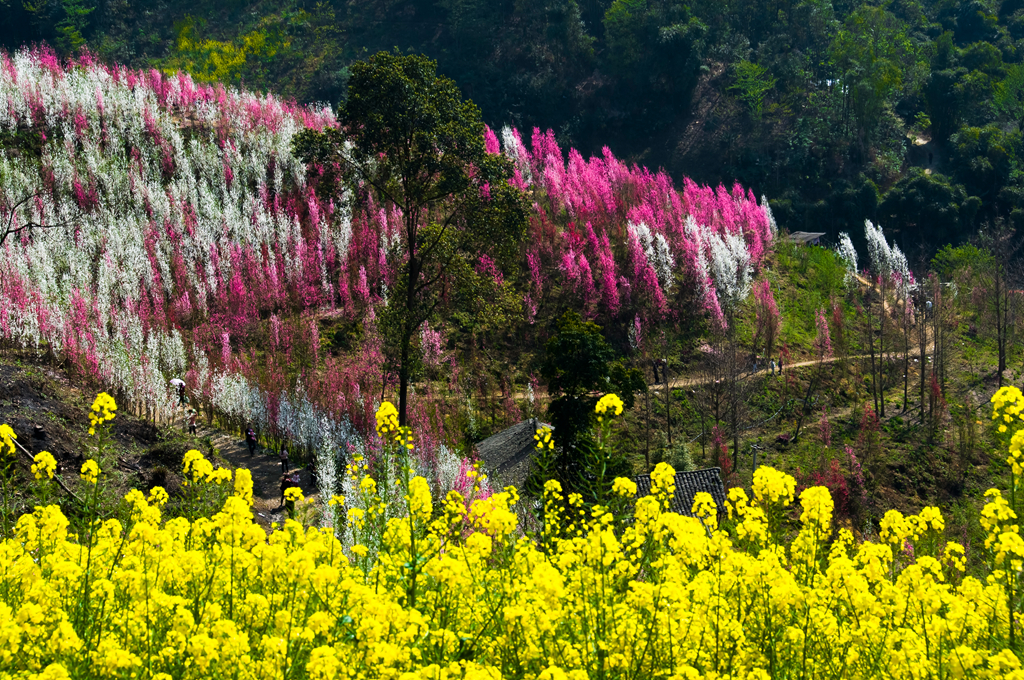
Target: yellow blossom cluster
x=624, y=487
x=197, y=468
x=705, y=509
x=773, y=486
x=44, y=465
x=7, y=438
x=608, y=404
x=104, y=408
x=457, y=589
x=419, y=500
x=387, y=418
x=752, y=520
x=243, y=485
x=460, y=592
x=544, y=439
x=293, y=494
x=1008, y=407
x=90, y=471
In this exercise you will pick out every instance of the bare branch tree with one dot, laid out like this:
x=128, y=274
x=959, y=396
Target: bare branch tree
x=13, y=226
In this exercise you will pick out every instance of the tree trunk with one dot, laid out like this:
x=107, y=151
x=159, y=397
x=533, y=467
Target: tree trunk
x=1002, y=324
x=937, y=344
x=871, y=352
x=881, y=350
x=703, y=438
x=409, y=328
x=906, y=356
x=735, y=435
x=922, y=336
x=668, y=401
x=807, y=398
x=647, y=430
x=403, y=383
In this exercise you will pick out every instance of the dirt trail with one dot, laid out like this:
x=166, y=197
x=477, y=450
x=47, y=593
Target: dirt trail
x=265, y=466
x=686, y=382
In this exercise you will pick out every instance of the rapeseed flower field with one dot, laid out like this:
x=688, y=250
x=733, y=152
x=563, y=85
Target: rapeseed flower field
x=455, y=588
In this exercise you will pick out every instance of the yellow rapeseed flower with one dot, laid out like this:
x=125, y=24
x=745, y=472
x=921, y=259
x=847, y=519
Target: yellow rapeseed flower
x=7, y=438
x=420, y=502
x=623, y=486
x=387, y=418
x=104, y=409
x=448, y=594
x=44, y=465
x=90, y=471
x=243, y=485
x=544, y=439
x=609, y=404
x=705, y=509
x=772, y=486
x=158, y=496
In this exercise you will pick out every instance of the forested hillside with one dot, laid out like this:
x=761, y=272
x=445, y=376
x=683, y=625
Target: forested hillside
x=377, y=287
x=905, y=113
x=263, y=253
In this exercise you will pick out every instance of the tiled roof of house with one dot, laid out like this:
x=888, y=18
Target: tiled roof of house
x=806, y=236
x=507, y=456
x=688, y=484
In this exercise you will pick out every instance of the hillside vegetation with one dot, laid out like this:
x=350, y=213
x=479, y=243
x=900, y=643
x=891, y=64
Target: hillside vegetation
x=377, y=287
x=199, y=247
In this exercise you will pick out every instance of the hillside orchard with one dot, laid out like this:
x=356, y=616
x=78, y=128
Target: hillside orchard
x=168, y=231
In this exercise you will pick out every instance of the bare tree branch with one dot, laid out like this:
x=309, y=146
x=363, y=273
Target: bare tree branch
x=11, y=230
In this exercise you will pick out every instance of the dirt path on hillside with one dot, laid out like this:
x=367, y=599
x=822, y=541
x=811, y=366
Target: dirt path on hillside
x=265, y=467
x=687, y=382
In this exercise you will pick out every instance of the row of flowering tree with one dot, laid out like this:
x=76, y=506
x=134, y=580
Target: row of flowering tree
x=159, y=228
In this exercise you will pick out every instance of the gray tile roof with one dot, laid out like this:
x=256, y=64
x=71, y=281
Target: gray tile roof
x=508, y=456
x=812, y=237
x=688, y=484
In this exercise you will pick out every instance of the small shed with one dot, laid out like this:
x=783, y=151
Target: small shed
x=808, y=238
x=688, y=484
x=508, y=456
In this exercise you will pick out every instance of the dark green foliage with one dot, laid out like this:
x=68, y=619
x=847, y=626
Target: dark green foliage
x=579, y=367
x=927, y=207
x=950, y=260
x=983, y=159
x=753, y=82
x=601, y=466
x=71, y=28
x=576, y=369
x=827, y=107
x=577, y=358
x=876, y=59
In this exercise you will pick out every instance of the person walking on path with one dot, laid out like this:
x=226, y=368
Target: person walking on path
x=192, y=418
x=772, y=366
x=285, y=483
x=250, y=441
x=284, y=458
